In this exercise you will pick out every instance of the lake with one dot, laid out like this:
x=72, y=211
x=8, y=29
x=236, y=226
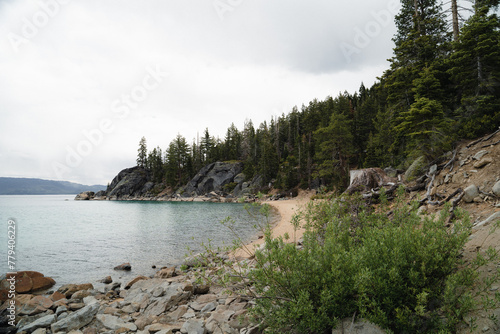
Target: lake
x=81, y=241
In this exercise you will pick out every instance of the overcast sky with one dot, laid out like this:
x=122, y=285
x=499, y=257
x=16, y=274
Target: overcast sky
x=81, y=81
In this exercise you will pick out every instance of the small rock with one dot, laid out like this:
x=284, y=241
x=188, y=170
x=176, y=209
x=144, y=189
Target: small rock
x=57, y=296
x=40, y=323
x=114, y=323
x=90, y=330
x=201, y=289
x=208, y=307
x=194, y=326
x=76, y=306
x=471, y=192
x=107, y=280
x=166, y=273
x=433, y=170
x=480, y=154
x=76, y=320
x=483, y=162
x=135, y=280
x=496, y=189
x=61, y=309
x=40, y=331
x=81, y=294
x=124, y=266
x=142, y=322
x=157, y=292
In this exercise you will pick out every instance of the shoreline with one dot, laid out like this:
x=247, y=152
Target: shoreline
x=286, y=209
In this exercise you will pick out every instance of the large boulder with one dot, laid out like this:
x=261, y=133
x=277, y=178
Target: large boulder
x=363, y=180
x=213, y=177
x=27, y=281
x=416, y=169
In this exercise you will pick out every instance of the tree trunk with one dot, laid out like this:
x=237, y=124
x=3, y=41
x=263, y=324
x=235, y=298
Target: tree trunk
x=417, y=18
x=454, y=15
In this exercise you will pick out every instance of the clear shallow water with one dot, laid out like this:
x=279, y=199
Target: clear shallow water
x=81, y=241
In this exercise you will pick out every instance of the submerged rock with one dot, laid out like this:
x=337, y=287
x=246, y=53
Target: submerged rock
x=124, y=266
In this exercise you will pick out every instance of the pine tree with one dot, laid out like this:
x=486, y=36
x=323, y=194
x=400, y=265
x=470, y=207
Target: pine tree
x=335, y=148
x=179, y=162
x=424, y=125
x=422, y=41
x=142, y=153
x=475, y=70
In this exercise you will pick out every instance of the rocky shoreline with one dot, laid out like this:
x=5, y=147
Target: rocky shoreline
x=168, y=302
x=216, y=182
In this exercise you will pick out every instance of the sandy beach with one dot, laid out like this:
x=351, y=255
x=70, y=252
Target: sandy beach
x=286, y=210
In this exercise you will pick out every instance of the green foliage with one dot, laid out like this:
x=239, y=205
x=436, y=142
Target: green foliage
x=229, y=187
x=398, y=271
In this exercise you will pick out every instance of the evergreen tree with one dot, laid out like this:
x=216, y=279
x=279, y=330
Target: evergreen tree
x=206, y=147
x=475, y=70
x=155, y=164
x=142, y=153
x=335, y=148
x=424, y=124
x=422, y=41
x=179, y=162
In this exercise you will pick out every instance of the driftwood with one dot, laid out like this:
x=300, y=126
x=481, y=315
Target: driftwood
x=495, y=143
x=454, y=204
x=452, y=161
x=486, y=138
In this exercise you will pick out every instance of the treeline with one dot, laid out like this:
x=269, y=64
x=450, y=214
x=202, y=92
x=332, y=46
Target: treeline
x=443, y=84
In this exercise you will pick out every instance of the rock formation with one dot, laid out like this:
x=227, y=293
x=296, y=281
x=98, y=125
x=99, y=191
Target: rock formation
x=214, y=182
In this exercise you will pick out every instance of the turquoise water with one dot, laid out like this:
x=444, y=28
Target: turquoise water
x=81, y=241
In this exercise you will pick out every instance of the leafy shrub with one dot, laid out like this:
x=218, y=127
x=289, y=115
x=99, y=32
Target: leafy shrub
x=398, y=271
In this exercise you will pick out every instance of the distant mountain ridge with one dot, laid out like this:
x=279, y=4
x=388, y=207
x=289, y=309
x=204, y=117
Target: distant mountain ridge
x=31, y=186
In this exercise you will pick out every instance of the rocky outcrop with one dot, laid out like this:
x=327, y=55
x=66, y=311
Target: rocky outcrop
x=214, y=178
x=130, y=183
x=85, y=196
x=215, y=183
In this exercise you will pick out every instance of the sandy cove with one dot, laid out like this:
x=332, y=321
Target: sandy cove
x=286, y=210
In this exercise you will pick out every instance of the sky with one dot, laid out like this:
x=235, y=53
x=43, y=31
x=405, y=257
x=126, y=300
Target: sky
x=81, y=81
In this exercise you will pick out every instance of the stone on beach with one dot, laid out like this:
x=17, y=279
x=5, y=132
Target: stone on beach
x=135, y=280
x=27, y=281
x=76, y=320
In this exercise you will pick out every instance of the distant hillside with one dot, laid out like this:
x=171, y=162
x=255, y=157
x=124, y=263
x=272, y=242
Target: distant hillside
x=23, y=186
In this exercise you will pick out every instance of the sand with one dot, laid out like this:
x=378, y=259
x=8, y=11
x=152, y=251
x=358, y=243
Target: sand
x=286, y=210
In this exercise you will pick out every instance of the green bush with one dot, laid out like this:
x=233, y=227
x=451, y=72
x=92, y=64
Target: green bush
x=398, y=271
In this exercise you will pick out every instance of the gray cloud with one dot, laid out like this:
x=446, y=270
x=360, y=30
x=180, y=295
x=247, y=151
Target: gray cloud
x=68, y=66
